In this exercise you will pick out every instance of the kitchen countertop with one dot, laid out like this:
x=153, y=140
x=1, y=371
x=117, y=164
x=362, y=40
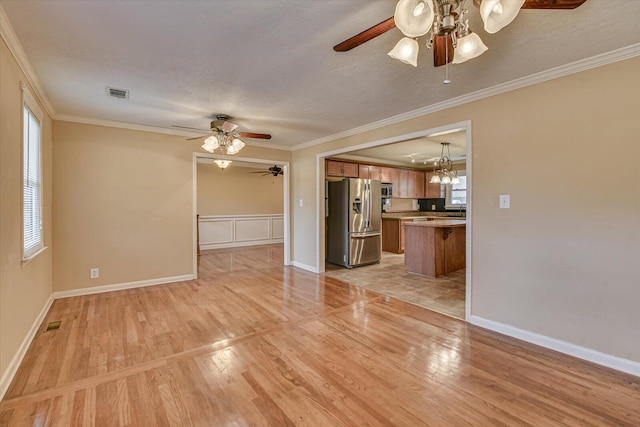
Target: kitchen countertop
x=412, y=215
x=444, y=223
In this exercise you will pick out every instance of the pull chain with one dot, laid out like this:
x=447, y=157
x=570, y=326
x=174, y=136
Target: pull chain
x=446, y=64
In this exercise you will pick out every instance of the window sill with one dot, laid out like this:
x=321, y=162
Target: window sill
x=32, y=256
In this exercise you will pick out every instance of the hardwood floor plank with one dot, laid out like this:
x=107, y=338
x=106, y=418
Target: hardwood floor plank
x=254, y=343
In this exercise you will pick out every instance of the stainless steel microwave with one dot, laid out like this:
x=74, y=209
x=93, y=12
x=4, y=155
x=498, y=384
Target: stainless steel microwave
x=387, y=190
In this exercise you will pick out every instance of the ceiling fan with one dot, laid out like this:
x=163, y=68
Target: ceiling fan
x=223, y=134
x=450, y=38
x=274, y=170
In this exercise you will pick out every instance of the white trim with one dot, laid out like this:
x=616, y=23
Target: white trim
x=13, y=366
x=15, y=47
x=32, y=256
x=208, y=246
x=614, y=362
x=251, y=216
x=151, y=128
x=305, y=267
x=122, y=286
x=543, y=76
x=469, y=227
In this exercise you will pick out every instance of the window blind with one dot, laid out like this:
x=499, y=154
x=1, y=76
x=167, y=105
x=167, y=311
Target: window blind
x=32, y=185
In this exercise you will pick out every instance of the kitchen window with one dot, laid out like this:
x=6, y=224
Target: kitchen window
x=32, y=240
x=456, y=194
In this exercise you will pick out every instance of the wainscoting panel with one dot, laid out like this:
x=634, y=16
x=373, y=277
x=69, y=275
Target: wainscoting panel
x=226, y=231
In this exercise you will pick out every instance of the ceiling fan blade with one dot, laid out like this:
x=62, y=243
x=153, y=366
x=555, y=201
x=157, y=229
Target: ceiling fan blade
x=366, y=35
x=197, y=137
x=552, y=4
x=255, y=135
x=440, y=50
x=186, y=127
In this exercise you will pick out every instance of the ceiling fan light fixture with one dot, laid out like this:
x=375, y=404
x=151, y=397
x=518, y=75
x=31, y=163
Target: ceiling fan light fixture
x=469, y=46
x=236, y=145
x=414, y=17
x=211, y=144
x=497, y=14
x=406, y=50
x=222, y=164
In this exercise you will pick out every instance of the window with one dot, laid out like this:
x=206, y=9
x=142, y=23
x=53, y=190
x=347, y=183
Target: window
x=32, y=242
x=456, y=194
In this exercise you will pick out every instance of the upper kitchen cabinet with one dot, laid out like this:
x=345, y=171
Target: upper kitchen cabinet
x=369, y=172
x=432, y=191
x=410, y=184
x=344, y=169
x=388, y=174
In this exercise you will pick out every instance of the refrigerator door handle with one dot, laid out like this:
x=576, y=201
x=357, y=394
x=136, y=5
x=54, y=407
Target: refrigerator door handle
x=364, y=235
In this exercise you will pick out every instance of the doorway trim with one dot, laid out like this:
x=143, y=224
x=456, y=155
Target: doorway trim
x=286, y=188
x=320, y=191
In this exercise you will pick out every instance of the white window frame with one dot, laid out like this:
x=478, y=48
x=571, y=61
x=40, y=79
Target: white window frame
x=447, y=204
x=29, y=103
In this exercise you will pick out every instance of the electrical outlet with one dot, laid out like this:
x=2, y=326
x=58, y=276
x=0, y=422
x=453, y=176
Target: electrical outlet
x=301, y=202
x=433, y=207
x=95, y=273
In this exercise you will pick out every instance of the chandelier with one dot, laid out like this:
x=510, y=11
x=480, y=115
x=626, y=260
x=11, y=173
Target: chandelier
x=447, y=18
x=444, y=173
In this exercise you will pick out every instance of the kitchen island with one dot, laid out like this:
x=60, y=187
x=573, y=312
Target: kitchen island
x=435, y=248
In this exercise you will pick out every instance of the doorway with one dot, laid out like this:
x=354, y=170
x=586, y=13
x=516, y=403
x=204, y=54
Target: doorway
x=459, y=283
x=243, y=231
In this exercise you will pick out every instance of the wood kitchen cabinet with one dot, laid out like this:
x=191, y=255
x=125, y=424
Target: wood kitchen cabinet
x=435, y=248
x=369, y=172
x=410, y=184
x=388, y=174
x=345, y=169
x=432, y=191
x=393, y=234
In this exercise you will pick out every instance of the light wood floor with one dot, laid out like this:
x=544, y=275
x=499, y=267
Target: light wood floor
x=255, y=343
x=444, y=294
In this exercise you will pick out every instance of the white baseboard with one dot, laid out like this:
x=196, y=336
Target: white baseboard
x=208, y=246
x=121, y=286
x=614, y=362
x=305, y=267
x=11, y=370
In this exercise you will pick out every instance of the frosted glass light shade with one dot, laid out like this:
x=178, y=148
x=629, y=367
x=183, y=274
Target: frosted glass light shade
x=435, y=179
x=211, y=143
x=406, y=50
x=235, y=146
x=455, y=180
x=497, y=14
x=414, y=17
x=469, y=47
x=222, y=164
x=446, y=180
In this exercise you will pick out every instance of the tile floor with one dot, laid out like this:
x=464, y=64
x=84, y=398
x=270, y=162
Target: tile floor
x=445, y=294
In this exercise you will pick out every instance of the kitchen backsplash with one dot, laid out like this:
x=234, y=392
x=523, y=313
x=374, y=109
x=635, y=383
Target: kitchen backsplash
x=431, y=205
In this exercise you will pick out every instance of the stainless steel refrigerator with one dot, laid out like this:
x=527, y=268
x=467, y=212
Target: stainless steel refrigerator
x=354, y=222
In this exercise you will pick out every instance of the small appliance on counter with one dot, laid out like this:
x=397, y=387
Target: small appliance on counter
x=354, y=222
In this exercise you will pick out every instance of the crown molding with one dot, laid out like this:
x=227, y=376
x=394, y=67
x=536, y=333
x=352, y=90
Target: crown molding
x=150, y=128
x=11, y=39
x=543, y=76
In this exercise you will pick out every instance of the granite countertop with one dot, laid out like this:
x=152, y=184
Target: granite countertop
x=412, y=215
x=444, y=223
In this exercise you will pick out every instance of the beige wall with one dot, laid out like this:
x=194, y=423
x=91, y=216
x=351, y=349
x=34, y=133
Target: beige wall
x=123, y=203
x=24, y=289
x=562, y=261
x=238, y=191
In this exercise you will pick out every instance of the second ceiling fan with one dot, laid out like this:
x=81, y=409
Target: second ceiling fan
x=451, y=39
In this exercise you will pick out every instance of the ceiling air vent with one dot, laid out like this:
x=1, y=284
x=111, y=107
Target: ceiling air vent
x=118, y=93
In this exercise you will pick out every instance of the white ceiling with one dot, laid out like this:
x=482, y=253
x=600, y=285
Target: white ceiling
x=270, y=64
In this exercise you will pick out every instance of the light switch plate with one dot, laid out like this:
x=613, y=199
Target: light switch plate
x=94, y=273
x=505, y=201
